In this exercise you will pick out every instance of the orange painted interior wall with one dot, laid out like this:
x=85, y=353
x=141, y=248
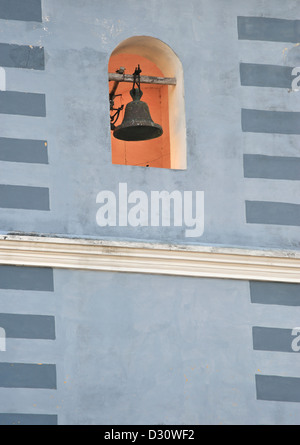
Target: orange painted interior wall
x=155, y=152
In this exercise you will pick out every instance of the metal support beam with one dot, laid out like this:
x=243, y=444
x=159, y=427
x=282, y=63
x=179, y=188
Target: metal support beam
x=143, y=79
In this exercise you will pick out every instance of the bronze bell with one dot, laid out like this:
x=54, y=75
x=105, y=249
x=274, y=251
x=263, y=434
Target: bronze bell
x=137, y=124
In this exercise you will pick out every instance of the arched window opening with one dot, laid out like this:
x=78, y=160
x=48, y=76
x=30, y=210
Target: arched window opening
x=165, y=102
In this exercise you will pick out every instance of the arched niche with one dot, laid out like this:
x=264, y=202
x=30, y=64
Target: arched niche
x=156, y=59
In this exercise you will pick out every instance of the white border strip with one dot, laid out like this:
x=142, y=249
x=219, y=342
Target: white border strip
x=2, y=79
x=162, y=259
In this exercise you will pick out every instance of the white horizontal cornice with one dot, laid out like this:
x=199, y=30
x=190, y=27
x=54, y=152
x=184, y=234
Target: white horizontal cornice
x=150, y=258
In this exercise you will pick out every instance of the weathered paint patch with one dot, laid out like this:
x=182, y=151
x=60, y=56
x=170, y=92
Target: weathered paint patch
x=278, y=213
x=271, y=167
x=26, y=278
x=23, y=150
x=268, y=29
x=265, y=121
x=29, y=10
x=27, y=375
x=24, y=197
x=27, y=419
x=287, y=294
x=19, y=103
x=277, y=388
x=272, y=76
x=28, y=326
x=22, y=56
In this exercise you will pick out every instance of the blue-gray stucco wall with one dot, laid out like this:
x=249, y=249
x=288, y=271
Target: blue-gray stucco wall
x=229, y=79
x=144, y=349
x=111, y=348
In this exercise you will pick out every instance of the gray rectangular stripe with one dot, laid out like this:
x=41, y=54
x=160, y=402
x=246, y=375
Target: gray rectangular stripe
x=272, y=76
x=27, y=375
x=24, y=197
x=7, y=419
x=271, y=167
x=277, y=388
x=272, y=339
x=27, y=10
x=265, y=121
x=22, y=56
x=23, y=150
x=287, y=294
x=278, y=213
x=268, y=29
x=28, y=326
x=26, y=278
x=25, y=104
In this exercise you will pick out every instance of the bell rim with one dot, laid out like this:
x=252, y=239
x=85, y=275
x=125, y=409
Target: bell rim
x=140, y=125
